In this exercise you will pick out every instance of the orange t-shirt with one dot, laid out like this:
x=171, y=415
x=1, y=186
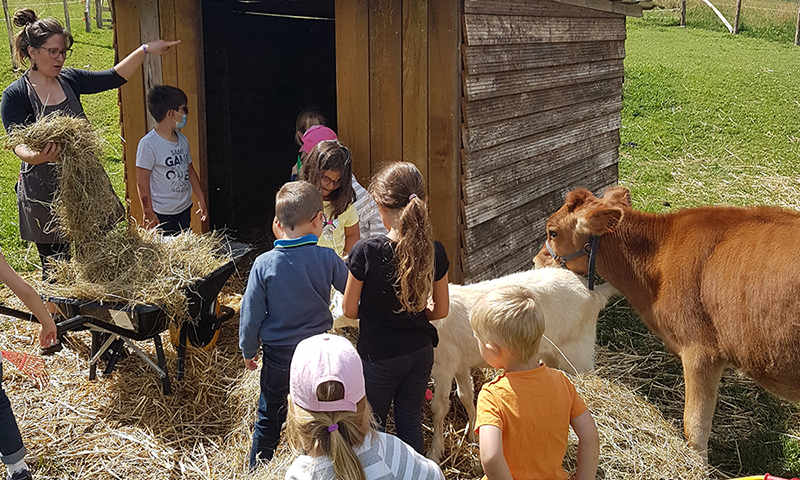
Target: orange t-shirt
x=533, y=409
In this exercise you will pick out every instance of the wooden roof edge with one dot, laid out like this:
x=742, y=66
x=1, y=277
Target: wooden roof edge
x=630, y=8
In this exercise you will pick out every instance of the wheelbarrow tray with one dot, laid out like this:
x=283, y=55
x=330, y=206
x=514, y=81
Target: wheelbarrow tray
x=144, y=322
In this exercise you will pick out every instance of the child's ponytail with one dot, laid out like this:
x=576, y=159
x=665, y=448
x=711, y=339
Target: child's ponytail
x=334, y=434
x=399, y=186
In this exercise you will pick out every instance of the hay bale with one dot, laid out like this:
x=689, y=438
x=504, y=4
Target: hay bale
x=85, y=203
x=635, y=439
x=123, y=264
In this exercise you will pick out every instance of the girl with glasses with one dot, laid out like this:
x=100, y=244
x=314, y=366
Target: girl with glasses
x=328, y=166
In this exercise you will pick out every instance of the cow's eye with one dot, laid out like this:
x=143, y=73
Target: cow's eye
x=552, y=233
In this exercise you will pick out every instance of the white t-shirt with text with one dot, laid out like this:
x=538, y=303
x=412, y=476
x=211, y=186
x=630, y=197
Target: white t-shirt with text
x=168, y=162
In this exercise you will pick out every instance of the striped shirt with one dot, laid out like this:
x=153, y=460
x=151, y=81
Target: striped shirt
x=369, y=219
x=383, y=456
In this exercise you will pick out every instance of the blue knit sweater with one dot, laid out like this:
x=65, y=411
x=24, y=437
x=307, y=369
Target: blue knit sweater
x=288, y=294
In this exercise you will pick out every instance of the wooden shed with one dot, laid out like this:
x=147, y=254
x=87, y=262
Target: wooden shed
x=504, y=105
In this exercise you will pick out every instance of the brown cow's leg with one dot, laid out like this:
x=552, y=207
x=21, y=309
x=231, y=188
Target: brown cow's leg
x=702, y=374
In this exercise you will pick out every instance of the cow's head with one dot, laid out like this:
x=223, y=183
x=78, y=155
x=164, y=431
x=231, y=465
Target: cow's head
x=582, y=216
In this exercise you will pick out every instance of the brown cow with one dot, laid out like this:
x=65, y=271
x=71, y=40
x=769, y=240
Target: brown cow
x=720, y=286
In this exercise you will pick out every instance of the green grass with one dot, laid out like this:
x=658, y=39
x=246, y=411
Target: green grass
x=92, y=51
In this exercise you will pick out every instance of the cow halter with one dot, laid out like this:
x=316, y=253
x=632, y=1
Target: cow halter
x=590, y=249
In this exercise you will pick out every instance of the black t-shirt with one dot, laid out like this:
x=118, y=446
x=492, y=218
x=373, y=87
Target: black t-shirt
x=384, y=334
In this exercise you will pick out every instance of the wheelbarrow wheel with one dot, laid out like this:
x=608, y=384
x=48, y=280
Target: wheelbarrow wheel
x=203, y=335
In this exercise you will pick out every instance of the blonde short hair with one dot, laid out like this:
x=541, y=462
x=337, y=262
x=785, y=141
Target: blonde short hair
x=511, y=318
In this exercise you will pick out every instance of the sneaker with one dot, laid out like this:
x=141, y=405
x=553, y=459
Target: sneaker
x=21, y=475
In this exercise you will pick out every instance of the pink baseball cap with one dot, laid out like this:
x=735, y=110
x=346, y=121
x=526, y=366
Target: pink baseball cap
x=316, y=134
x=325, y=358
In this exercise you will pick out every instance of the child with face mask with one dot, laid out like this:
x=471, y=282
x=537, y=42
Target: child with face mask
x=164, y=174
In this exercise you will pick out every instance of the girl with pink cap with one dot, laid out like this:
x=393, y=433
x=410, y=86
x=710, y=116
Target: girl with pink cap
x=330, y=423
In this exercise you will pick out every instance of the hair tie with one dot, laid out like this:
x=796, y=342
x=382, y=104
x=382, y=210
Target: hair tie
x=412, y=196
x=333, y=428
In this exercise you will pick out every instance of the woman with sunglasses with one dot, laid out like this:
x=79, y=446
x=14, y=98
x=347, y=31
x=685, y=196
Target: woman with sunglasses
x=44, y=88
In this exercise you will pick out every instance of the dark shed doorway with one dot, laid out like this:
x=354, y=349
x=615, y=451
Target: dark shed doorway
x=264, y=62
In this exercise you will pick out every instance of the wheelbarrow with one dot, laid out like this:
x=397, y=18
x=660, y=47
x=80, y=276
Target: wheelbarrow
x=114, y=325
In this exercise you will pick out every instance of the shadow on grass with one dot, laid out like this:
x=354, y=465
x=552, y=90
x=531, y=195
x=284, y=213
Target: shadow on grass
x=753, y=432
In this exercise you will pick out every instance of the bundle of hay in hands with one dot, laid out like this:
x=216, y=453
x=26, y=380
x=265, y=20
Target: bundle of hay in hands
x=112, y=261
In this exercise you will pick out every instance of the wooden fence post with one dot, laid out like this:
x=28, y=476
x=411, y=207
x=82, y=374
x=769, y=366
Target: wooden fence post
x=736, y=18
x=683, y=13
x=66, y=16
x=10, y=34
x=796, y=29
x=87, y=16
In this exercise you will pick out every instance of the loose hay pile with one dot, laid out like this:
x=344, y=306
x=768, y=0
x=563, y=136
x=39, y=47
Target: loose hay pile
x=122, y=264
x=121, y=426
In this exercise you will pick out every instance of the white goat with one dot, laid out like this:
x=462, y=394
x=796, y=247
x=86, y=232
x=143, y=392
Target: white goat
x=570, y=312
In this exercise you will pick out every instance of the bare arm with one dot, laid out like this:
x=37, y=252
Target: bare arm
x=49, y=153
x=351, y=236
x=441, y=300
x=352, y=296
x=26, y=293
x=128, y=66
x=492, y=459
x=150, y=219
x=197, y=190
x=588, y=446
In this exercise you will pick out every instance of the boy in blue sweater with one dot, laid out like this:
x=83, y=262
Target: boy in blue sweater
x=286, y=300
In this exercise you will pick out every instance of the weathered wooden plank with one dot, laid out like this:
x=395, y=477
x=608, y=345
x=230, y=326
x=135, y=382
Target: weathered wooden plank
x=191, y=79
x=514, y=29
x=415, y=84
x=149, y=30
x=481, y=112
x=352, y=82
x=489, y=135
x=492, y=206
x=501, y=58
x=444, y=145
x=489, y=85
x=510, y=241
x=169, y=61
x=540, y=8
x=511, y=180
x=519, y=262
x=386, y=81
x=131, y=99
x=501, y=156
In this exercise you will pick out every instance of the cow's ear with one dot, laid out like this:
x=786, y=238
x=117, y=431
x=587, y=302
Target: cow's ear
x=576, y=198
x=618, y=196
x=599, y=221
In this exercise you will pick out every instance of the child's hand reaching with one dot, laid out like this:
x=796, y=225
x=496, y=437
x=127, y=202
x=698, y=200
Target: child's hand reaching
x=48, y=332
x=251, y=363
x=202, y=211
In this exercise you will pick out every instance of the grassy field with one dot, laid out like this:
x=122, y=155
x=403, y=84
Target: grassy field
x=92, y=51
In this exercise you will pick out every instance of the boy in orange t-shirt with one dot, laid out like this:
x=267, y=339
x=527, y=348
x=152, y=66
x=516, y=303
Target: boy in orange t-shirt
x=524, y=414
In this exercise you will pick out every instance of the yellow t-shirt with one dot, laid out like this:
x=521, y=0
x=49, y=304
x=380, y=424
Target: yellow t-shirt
x=333, y=231
x=533, y=409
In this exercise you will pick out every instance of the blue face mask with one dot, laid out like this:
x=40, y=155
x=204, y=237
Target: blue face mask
x=181, y=124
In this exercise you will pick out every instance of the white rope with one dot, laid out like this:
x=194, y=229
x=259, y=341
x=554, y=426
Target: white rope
x=562, y=354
